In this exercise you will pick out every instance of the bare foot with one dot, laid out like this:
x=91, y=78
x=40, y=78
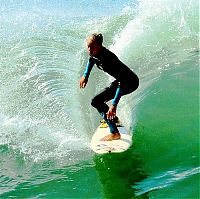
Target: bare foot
x=110, y=137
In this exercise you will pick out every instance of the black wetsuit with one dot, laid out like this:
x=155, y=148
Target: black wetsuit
x=126, y=81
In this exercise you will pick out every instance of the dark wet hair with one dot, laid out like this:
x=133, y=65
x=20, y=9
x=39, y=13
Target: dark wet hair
x=97, y=37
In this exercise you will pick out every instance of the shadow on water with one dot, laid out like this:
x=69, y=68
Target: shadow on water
x=118, y=173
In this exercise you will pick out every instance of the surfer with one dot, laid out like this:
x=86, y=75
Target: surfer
x=126, y=81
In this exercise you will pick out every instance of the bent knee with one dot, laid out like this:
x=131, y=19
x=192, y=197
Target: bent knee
x=135, y=84
x=94, y=102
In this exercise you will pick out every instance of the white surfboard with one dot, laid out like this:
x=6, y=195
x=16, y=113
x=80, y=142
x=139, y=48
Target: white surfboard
x=114, y=146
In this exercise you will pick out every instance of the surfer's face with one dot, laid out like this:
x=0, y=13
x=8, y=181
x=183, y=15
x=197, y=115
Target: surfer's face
x=92, y=47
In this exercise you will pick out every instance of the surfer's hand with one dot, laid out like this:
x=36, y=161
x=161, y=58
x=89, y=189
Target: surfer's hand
x=83, y=82
x=111, y=112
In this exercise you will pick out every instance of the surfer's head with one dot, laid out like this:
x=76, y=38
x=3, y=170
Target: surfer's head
x=94, y=43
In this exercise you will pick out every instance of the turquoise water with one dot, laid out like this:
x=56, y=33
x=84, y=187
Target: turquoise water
x=46, y=121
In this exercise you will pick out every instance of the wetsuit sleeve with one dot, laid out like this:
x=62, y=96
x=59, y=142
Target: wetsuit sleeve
x=88, y=69
x=117, y=97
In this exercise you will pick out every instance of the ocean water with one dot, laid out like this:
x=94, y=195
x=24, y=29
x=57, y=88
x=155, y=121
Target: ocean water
x=46, y=121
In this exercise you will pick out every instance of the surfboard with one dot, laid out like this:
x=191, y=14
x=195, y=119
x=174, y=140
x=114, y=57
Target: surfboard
x=114, y=146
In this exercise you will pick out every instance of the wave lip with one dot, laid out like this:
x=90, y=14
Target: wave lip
x=158, y=26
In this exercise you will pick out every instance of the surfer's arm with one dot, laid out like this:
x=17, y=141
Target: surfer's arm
x=86, y=74
x=88, y=69
x=112, y=109
x=117, y=97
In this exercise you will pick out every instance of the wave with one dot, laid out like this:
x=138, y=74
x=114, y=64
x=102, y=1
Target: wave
x=42, y=108
x=164, y=180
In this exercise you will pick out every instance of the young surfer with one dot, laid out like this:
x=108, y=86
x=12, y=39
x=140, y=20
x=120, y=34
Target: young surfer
x=125, y=81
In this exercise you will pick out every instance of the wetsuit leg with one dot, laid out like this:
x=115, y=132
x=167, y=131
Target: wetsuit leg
x=99, y=102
